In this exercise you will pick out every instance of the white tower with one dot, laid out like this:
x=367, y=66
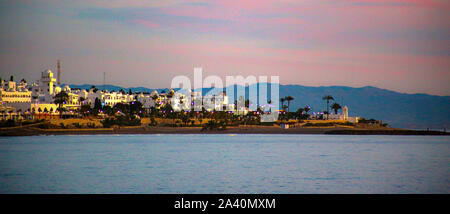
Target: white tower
x=345, y=112
x=46, y=84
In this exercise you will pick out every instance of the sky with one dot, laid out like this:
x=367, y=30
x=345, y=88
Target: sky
x=392, y=44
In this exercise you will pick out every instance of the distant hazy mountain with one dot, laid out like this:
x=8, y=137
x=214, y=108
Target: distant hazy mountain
x=116, y=88
x=417, y=111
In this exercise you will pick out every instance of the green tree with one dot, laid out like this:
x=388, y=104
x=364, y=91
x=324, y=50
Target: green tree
x=97, y=105
x=85, y=109
x=108, y=110
x=61, y=110
x=122, y=107
x=170, y=94
x=60, y=99
x=94, y=89
x=136, y=107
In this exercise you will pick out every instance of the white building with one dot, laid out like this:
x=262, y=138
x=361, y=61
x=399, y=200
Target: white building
x=343, y=116
x=36, y=98
x=39, y=97
x=15, y=97
x=44, y=92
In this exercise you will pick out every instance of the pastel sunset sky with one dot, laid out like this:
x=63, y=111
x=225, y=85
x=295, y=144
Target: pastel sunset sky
x=393, y=44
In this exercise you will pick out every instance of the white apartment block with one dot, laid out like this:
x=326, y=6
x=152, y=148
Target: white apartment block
x=39, y=97
x=14, y=97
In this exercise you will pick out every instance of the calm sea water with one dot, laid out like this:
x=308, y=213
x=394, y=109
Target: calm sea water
x=225, y=164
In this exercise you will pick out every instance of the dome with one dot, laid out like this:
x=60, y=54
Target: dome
x=47, y=73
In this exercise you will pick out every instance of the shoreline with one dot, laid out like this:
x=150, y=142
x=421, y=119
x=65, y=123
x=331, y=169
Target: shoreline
x=32, y=131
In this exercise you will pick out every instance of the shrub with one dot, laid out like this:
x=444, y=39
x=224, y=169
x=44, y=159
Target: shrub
x=44, y=126
x=153, y=122
x=8, y=123
x=28, y=122
x=121, y=121
x=214, y=125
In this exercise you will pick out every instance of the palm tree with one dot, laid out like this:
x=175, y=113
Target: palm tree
x=289, y=99
x=328, y=98
x=60, y=99
x=336, y=107
x=282, y=102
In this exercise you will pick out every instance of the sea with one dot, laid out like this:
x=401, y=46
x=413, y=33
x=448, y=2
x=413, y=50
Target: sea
x=225, y=163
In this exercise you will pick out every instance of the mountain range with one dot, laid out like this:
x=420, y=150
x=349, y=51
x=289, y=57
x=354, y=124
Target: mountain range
x=400, y=110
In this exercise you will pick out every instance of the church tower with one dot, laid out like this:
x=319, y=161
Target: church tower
x=47, y=84
x=345, y=112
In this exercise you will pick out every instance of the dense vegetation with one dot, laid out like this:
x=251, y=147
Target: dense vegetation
x=121, y=121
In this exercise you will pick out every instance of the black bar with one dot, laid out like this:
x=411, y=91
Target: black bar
x=264, y=202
